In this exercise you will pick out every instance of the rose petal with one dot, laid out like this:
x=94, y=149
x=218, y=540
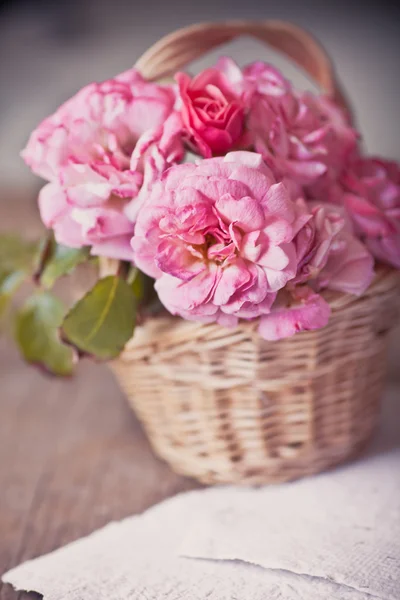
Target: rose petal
x=233, y=277
x=312, y=312
x=246, y=213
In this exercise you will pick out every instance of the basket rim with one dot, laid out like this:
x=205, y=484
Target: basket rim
x=386, y=280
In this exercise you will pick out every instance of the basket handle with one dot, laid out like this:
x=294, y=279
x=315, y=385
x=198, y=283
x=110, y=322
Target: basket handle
x=177, y=49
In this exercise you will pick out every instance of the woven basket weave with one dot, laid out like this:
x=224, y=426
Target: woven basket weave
x=224, y=405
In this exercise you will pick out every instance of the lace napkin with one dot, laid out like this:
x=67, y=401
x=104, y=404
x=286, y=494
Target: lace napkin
x=331, y=537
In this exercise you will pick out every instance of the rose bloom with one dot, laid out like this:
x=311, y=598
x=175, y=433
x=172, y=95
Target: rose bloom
x=304, y=138
x=329, y=257
x=212, y=112
x=328, y=252
x=94, y=151
x=218, y=237
x=301, y=136
x=225, y=241
x=370, y=190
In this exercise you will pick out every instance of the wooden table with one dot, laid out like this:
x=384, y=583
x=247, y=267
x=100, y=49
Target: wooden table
x=72, y=455
x=72, y=458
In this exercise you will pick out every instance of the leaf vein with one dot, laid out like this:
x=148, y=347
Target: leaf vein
x=104, y=312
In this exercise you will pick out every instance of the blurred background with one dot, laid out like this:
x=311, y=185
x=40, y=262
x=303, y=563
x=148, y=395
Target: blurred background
x=50, y=48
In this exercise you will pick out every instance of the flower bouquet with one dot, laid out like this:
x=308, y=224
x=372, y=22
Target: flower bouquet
x=240, y=226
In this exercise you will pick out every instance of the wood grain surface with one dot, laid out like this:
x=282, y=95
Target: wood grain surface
x=72, y=458
x=72, y=455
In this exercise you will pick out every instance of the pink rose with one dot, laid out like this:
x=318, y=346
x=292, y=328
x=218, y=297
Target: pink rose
x=315, y=239
x=217, y=236
x=328, y=252
x=349, y=268
x=329, y=256
x=371, y=193
x=105, y=227
x=301, y=136
x=100, y=125
x=95, y=150
x=212, y=112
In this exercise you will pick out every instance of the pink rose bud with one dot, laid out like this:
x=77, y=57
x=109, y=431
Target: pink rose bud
x=212, y=112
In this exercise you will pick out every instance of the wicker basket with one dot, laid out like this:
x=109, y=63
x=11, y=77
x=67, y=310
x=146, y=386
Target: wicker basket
x=224, y=405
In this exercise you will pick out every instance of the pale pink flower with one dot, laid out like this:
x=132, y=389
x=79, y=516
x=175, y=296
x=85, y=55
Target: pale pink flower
x=212, y=112
x=105, y=228
x=370, y=191
x=100, y=126
x=217, y=236
x=315, y=238
x=304, y=138
x=328, y=252
x=96, y=149
x=329, y=257
x=301, y=136
x=349, y=268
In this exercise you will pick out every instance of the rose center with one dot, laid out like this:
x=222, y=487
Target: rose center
x=218, y=247
x=115, y=152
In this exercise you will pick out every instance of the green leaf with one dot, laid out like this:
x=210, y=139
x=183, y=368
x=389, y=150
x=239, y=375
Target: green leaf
x=104, y=320
x=9, y=284
x=62, y=260
x=16, y=254
x=37, y=334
